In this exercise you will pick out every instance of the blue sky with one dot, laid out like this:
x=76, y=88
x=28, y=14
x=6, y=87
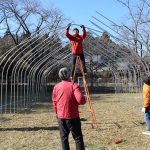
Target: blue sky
x=81, y=11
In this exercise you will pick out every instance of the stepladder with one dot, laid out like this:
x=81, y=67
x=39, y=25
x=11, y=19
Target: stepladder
x=82, y=79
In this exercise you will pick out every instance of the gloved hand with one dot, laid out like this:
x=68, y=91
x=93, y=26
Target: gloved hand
x=82, y=26
x=68, y=26
x=143, y=110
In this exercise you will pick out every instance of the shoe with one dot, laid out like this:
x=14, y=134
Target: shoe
x=146, y=133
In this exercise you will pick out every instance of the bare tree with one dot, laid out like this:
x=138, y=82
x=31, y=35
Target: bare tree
x=136, y=31
x=24, y=16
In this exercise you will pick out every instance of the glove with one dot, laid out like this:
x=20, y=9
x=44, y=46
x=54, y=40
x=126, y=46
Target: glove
x=82, y=26
x=143, y=110
x=68, y=26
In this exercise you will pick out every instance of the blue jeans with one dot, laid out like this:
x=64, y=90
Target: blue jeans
x=147, y=117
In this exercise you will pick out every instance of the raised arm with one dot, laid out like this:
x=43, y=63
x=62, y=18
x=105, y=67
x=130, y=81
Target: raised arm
x=79, y=95
x=84, y=32
x=69, y=36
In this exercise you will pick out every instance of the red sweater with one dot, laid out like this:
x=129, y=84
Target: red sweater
x=66, y=98
x=76, y=41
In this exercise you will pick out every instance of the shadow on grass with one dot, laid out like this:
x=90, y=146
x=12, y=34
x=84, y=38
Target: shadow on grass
x=3, y=119
x=30, y=129
x=83, y=119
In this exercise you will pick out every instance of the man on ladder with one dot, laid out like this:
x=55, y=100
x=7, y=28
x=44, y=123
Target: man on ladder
x=76, y=44
x=78, y=56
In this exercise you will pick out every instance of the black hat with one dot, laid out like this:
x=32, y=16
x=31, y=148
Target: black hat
x=146, y=80
x=64, y=74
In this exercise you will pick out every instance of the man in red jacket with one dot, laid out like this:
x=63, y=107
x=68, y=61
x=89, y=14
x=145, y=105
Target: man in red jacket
x=66, y=98
x=76, y=44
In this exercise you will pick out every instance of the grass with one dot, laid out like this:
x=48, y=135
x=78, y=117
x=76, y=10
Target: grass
x=118, y=116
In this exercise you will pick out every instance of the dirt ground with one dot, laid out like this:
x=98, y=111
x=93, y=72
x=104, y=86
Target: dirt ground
x=119, y=117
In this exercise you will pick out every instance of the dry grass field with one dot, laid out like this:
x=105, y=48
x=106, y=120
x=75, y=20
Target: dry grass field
x=119, y=117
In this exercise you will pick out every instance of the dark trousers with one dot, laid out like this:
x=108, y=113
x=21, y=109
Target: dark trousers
x=74, y=58
x=73, y=125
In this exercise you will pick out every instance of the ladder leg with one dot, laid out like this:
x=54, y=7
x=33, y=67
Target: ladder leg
x=88, y=94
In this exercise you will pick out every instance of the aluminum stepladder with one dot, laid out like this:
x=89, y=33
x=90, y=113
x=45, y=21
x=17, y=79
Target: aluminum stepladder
x=91, y=109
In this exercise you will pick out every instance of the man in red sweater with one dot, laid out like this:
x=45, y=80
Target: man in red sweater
x=76, y=44
x=66, y=98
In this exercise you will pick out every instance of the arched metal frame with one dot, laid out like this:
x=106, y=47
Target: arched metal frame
x=26, y=67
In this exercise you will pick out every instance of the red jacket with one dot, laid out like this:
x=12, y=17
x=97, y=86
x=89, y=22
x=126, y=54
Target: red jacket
x=76, y=41
x=66, y=98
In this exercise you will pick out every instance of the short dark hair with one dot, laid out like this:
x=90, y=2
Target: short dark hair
x=76, y=29
x=64, y=73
